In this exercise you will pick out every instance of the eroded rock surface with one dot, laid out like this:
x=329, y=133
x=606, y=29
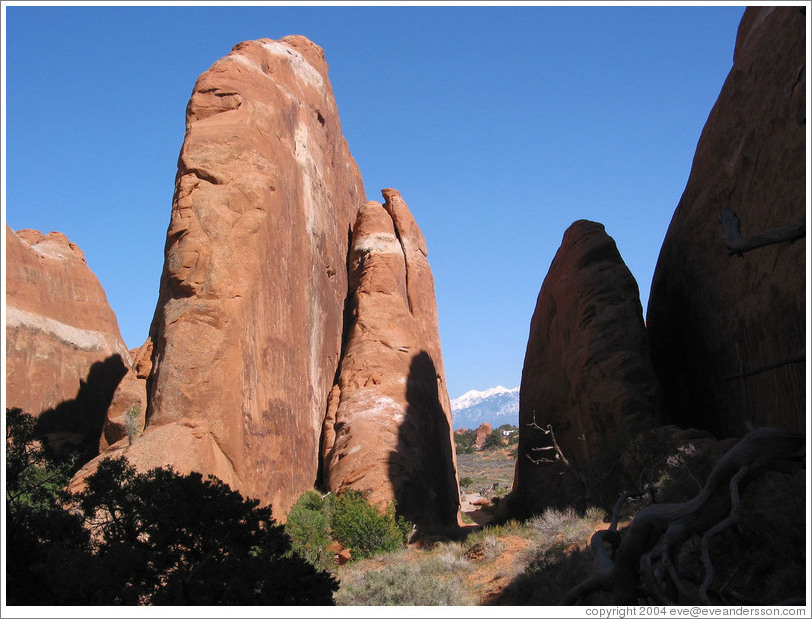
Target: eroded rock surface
x=64, y=352
x=587, y=377
x=727, y=331
x=388, y=428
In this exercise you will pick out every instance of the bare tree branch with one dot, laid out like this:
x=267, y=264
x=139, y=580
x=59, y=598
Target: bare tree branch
x=737, y=246
x=799, y=357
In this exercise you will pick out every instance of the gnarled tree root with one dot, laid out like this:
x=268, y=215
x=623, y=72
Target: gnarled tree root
x=658, y=531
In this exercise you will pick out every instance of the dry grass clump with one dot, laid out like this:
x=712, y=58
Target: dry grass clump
x=566, y=525
x=404, y=581
x=533, y=560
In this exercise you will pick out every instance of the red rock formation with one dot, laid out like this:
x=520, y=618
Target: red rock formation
x=727, y=332
x=129, y=398
x=482, y=433
x=247, y=330
x=64, y=352
x=586, y=375
x=388, y=427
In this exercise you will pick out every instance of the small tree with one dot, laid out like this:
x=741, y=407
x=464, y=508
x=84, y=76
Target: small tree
x=130, y=422
x=141, y=538
x=464, y=441
x=308, y=525
x=47, y=549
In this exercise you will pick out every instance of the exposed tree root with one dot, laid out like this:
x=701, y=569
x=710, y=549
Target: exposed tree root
x=643, y=561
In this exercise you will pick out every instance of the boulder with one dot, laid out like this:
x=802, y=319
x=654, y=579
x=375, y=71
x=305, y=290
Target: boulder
x=588, y=388
x=388, y=427
x=727, y=316
x=64, y=351
x=246, y=335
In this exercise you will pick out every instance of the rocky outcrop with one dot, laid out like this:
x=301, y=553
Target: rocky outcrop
x=188, y=445
x=388, y=427
x=727, y=331
x=246, y=336
x=482, y=433
x=64, y=352
x=587, y=383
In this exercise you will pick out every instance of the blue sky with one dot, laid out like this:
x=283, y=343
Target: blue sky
x=499, y=125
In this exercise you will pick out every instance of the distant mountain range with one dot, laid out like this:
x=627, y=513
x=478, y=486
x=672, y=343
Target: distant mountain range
x=496, y=405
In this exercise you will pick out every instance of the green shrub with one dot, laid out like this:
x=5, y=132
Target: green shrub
x=464, y=442
x=465, y=482
x=362, y=528
x=493, y=441
x=308, y=526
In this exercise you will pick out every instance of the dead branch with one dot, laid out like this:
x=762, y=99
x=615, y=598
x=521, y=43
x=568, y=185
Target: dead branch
x=799, y=357
x=737, y=246
x=559, y=453
x=659, y=530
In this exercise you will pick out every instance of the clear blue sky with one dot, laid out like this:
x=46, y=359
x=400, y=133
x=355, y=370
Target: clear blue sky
x=499, y=125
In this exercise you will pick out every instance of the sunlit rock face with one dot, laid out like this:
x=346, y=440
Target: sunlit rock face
x=727, y=331
x=482, y=433
x=388, y=427
x=64, y=352
x=588, y=388
x=246, y=337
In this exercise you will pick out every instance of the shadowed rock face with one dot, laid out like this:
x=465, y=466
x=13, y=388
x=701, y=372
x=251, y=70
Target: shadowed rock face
x=388, y=427
x=717, y=322
x=586, y=374
x=246, y=337
x=64, y=352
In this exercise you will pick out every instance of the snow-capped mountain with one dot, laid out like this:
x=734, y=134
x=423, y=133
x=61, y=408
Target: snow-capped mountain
x=496, y=405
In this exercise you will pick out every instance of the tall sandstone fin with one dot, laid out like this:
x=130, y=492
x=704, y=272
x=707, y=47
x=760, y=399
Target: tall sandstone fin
x=388, y=429
x=588, y=388
x=727, y=331
x=247, y=331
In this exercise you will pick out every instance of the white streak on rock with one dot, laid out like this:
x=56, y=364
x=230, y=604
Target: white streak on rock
x=300, y=66
x=378, y=243
x=83, y=339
